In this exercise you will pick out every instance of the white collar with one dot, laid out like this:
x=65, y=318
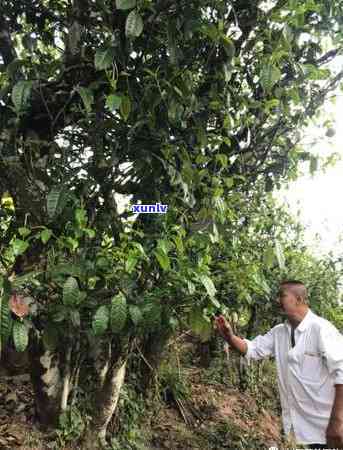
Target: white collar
x=304, y=323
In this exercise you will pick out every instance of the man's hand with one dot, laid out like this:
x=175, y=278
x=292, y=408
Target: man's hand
x=334, y=433
x=223, y=327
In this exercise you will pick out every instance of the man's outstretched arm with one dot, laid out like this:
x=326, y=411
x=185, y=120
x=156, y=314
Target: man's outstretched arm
x=260, y=347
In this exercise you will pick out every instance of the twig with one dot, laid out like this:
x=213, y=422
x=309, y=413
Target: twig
x=182, y=410
x=76, y=373
x=144, y=359
x=179, y=337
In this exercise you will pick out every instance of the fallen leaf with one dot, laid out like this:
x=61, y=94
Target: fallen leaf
x=18, y=305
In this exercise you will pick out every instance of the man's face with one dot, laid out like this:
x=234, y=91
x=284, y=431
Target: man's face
x=288, y=302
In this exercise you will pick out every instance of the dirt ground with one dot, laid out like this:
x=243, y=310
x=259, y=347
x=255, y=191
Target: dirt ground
x=214, y=416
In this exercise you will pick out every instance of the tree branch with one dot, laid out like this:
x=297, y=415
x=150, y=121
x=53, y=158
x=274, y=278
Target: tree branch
x=328, y=56
x=78, y=20
x=7, y=50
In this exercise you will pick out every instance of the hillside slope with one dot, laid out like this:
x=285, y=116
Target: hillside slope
x=196, y=409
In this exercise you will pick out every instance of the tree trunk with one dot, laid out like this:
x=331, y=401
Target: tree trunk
x=205, y=354
x=152, y=353
x=105, y=404
x=47, y=384
x=207, y=351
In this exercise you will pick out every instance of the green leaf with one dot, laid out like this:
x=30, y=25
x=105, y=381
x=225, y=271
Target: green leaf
x=269, y=257
x=229, y=182
x=208, y=283
x=215, y=302
x=81, y=217
x=269, y=76
x=223, y=159
x=179, y=244
x=191, y=287
x=101, y=320
x=313, y=73
x=60, y=313
x=13, y=67
x=229, y=47
x=24, y=231
x=6, y=321
x=21, y=93
x=279, y=254
x=151, y=316
x=90, y=232
x=20, y=336
x=29, y=42
x=199, y=325
x=125, y=4
x=75, y=317
x=287, y=33
x=45, y=235
x=70, y=292
x=50, y=338
x=125, y=107
x=134, y=24
x=131, y=262
x=118, y=313
x=19, y=246
x=135, y=314
x=175, y=110
x=67, y=269
x=71, y=243
x=201, y=137
x=113, y=102
x=5, y=285
x=103, y=59
x=26, y=278
x=52, y=200
x=162, y=259
x=164, y=246
x=87, y=97
x=140, y=248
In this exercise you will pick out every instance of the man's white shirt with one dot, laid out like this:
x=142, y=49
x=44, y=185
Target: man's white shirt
x=307, y=373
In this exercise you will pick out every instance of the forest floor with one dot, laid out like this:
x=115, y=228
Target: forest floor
x=202, y=409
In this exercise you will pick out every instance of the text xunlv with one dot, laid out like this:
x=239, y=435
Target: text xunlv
x=150, y=209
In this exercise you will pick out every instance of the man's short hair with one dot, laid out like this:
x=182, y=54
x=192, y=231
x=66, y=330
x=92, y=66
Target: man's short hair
x=297, y=288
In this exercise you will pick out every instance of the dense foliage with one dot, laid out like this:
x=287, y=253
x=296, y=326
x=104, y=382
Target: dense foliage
x=198, y=105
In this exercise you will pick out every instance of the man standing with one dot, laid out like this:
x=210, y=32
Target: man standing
x=308, y=352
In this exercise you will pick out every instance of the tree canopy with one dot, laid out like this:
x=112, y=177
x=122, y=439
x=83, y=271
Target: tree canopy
x=195, y=104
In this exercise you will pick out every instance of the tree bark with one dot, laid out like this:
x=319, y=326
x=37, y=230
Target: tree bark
x=207, y=351
x=47, y=384
x=106, y=404
x=152, y=354
x=205, y=354
x=66, y=381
